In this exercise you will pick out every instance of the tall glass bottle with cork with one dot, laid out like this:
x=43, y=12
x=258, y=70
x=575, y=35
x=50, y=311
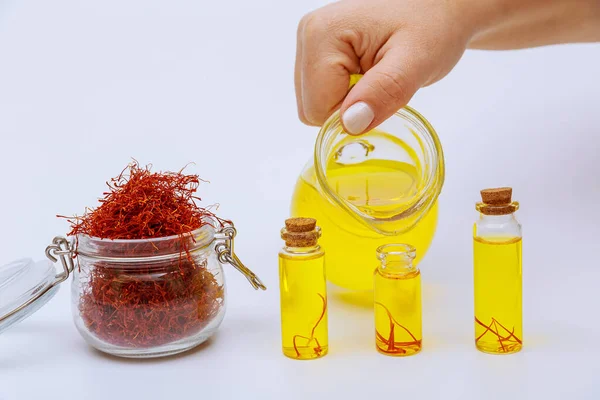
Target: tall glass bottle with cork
x=303, y=291
x=498, y=292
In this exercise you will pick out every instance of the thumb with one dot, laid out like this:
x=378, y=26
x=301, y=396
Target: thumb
x=384, y=89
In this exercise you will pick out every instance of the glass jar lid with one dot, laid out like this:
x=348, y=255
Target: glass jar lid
x=20, y=281
x=26, y=285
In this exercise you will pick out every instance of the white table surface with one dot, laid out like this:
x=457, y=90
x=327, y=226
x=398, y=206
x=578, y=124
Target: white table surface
x=85, y=86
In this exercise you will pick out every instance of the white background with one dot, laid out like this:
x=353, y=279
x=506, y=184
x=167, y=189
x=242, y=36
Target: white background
x=85, y=86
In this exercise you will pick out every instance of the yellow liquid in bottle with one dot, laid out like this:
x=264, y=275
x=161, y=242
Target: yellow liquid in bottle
x=303, y=295
x=498, y=295
x=375, y=187
x=398, y=326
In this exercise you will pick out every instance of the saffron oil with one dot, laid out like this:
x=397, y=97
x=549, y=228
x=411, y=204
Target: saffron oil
x=397, y=295
x=303, y=291
x=497, y=254
x=498, y=293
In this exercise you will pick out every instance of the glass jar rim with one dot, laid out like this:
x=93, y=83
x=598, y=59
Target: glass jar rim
x=160, y=248
x=422, y=201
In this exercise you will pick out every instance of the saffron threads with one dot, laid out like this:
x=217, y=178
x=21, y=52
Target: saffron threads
x=134, y=300
x=144, y=205
x=317, y=350
x=146, y=306
x=508, y=342
x=389, y=345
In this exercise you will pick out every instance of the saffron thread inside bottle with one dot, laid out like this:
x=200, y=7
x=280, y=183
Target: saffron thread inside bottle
x=507, y=343
x=389, y=345
x=318, y=350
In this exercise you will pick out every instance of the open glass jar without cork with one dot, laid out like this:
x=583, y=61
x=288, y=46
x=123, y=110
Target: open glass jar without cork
x=132, y=298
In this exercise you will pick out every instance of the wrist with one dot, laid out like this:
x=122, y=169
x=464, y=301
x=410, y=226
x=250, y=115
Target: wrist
x=512, y=24
x=478, y=16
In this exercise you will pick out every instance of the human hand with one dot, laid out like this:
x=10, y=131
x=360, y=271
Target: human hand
x=403, y=45
x=399, y=46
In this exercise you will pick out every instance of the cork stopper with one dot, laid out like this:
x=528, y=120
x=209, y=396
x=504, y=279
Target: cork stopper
x=301, y=232
x=300, y=224
x=497, y=201
x=497, y=196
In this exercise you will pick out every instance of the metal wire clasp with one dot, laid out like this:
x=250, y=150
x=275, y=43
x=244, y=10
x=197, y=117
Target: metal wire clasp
x=227, y=256
x=62, y=249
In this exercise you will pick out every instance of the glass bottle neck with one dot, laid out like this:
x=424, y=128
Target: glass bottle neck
x=397, y=268
x=396, y=259
x=497, y=227
x=302, y=250
x=500, y=219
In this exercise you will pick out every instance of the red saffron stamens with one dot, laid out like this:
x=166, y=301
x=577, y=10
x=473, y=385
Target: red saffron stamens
x=317, y=349
x=511, y=338
x=394, y=347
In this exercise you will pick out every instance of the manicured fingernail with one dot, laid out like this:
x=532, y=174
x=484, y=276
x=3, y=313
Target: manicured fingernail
x=358, y=117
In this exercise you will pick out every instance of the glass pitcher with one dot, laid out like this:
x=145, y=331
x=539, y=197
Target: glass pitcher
x=369, y=190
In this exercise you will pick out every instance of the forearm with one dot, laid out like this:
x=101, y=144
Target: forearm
x=516, y=24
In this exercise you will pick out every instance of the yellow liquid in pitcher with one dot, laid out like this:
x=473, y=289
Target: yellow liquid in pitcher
x=374, y=187
x=498, y=295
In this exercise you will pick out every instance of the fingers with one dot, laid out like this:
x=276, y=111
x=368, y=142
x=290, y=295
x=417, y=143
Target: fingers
x=384, y=89
x=298, y=74
x=346, y=38
x=326, y=57
x=323, y=68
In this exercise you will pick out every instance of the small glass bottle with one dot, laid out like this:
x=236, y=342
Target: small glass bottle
x=497, y=274
x=303, y=291
x=397, y=292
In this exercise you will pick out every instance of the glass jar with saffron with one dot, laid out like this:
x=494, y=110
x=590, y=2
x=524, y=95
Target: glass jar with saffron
x=372, y=189
x=155, y=297
x=150, y=294
x=131, y=298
